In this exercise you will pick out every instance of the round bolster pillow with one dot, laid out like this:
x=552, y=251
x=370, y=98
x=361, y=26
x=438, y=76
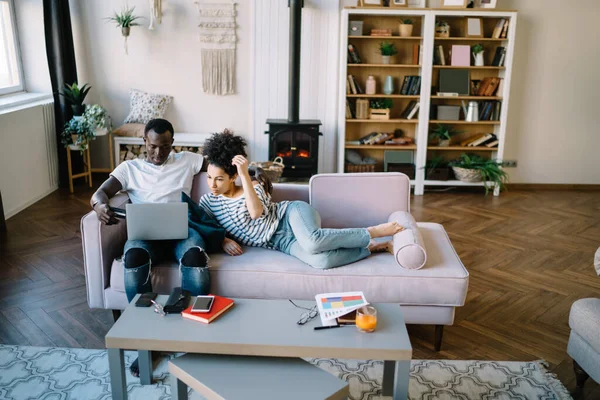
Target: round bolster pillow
x=409, y=248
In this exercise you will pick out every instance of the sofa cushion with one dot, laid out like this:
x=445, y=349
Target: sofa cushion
x=261, y=273
x=585, y=320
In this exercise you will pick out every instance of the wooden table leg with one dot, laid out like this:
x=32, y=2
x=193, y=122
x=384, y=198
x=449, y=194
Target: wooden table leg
x=89, y=165
x=70, y=168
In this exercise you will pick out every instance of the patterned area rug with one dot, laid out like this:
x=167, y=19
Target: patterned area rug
x=28, y=373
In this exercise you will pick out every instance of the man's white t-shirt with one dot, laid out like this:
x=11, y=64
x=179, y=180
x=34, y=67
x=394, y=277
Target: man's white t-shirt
x=145, y=182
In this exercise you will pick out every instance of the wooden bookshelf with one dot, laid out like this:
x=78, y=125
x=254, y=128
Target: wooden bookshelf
x=386, y=37
x=383, y=66
x=405, y=64
x=461, y=148
x=380, y=147
x=382, y=96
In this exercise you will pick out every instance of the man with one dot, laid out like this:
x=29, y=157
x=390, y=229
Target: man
x=159, y=178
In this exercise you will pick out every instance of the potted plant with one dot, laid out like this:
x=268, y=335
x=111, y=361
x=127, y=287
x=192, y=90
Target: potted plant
x=442, y=29
x=125, y=20
x=387, y=50
x=406, y=27
x=443, y=133
x=478, y=54
x=437, y=169
x=77, y=134
x=380, y=109
x=75, y=95
x=97, y=117
x=474, y=168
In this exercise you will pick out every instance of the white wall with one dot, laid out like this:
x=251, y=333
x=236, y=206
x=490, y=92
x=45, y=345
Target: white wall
x=166, y=61
x=28, y=170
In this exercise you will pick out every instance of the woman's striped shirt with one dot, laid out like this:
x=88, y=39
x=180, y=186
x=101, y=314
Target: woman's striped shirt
x=233, y=215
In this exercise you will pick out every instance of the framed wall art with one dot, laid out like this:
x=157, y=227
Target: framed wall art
x=454, y=3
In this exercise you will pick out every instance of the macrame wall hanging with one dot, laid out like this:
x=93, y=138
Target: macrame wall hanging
x=217, y=41
x=155, y=13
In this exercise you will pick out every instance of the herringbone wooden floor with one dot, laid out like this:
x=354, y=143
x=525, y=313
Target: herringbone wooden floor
x=529, y=253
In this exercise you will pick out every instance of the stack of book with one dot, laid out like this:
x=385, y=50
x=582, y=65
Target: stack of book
x=481, y=140
x=219, y=306
x=353, y=57
x=488, y=86
x=499, y=57
x=438, y=55
x=352, y=86
x=411, y=85
x=381, y=32
x=489, y=110
x=350, y=110
x=411, y=110
x=375, y=138
x=501, y=29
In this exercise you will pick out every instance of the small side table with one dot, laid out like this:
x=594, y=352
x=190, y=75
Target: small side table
x=87, y=165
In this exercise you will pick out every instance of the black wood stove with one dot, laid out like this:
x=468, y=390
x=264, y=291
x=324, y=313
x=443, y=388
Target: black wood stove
x=295, y=140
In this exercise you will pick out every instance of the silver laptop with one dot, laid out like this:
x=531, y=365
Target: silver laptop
x=163, y=221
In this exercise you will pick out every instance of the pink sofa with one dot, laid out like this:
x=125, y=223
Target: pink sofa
x=428, y=296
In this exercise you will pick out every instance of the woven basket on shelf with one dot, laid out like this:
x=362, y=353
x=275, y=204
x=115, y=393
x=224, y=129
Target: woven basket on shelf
x=360, y=167
x=273, y=169
x=467, y=175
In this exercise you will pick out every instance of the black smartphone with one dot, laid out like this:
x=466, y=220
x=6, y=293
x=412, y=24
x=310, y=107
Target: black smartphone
x=119, y=212
x=144, y=299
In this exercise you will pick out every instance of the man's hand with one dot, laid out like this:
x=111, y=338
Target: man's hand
x=231, y=247
x=105, y=215
x=242, y=165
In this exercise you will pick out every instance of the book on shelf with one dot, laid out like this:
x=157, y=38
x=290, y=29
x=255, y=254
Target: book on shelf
x=439, y=57
x=353, y=57
x=499, y=57
x=417, y=54
x=504, y=33
x=381, y=32
x=488, y=86
x=493, y=143
x=498, y=29
x=411, y=85
x=375, y=138
x=411, y=110
x=220, y=305
x=355, y=88
x=461, y=55
x=350, y=112
x=489, y=137
x=470, y=140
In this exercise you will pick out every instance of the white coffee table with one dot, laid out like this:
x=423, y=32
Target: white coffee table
x=259, y=328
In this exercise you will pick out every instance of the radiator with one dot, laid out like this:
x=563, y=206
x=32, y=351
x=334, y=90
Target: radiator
x=51, y=145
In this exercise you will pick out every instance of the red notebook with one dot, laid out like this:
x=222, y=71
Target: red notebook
x=220, y=305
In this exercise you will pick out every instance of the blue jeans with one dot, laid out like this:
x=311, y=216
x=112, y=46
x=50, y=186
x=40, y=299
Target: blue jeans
x=299, y=234
x=139, y=255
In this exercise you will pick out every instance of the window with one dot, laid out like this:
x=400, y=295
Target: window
x=11, y=77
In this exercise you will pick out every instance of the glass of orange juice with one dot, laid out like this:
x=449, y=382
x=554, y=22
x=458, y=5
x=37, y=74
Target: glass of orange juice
x=366, y=319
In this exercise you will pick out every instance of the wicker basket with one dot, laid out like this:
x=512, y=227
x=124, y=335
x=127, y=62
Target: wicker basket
x=360, y=167
x=467, y=175
x=273, y=169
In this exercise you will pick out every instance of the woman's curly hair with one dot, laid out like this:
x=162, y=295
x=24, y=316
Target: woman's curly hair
x=220, y=149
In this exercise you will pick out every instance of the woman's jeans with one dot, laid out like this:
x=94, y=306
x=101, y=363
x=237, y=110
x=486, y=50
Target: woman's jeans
x=140, y=255
x=299, y=234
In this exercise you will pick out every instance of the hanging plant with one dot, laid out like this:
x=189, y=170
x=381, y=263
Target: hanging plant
x=125, y=20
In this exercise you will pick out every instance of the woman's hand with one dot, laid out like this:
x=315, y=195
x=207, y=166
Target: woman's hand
x=242, y=165
x=231, y=247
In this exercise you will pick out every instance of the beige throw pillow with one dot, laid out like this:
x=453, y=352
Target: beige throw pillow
x=130, y=130
x=409, y=248
x=146, y=106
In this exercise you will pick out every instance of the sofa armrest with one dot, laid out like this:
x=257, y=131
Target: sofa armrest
x=101, y=245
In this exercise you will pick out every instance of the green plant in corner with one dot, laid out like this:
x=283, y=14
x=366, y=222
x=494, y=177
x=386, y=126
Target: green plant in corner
x=75, y=95
x=491, y=171
x=380, y=104
x=97, y=117
x=387, y=49
x=79, y=132
x=478, y=48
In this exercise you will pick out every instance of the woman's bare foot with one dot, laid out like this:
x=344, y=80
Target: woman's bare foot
x=383, y=230
x=380, y=247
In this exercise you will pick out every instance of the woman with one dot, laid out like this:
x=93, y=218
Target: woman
x=292, y=227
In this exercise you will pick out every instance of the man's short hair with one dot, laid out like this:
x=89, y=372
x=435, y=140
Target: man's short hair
x=159, y=126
